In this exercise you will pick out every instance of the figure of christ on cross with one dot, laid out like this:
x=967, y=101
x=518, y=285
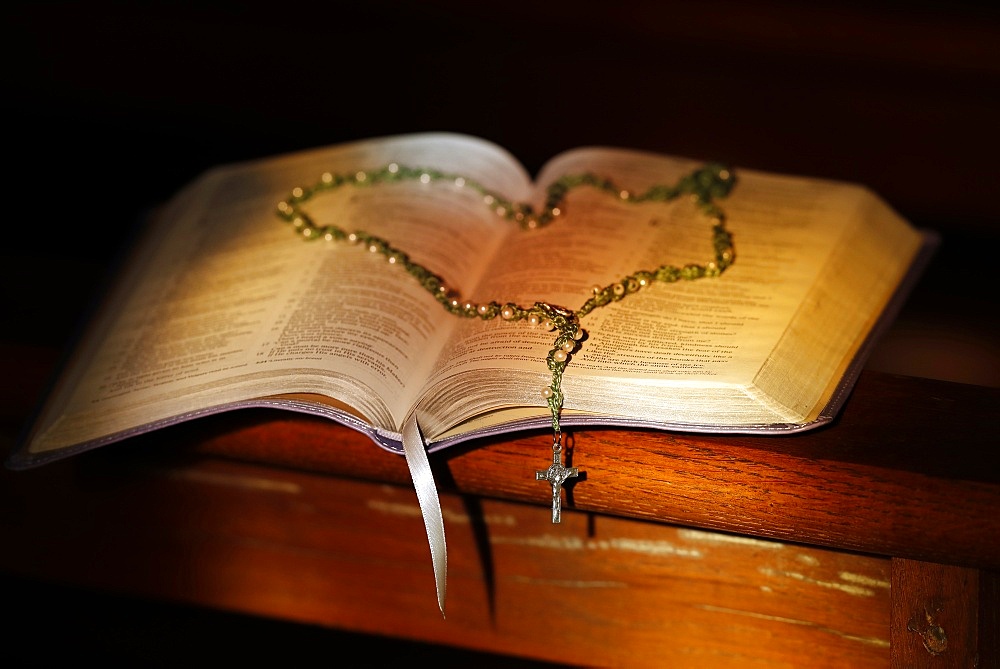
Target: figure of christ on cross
x=556, y=475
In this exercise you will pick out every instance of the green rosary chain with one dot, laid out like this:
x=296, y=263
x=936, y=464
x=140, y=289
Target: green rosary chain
x=703, y=186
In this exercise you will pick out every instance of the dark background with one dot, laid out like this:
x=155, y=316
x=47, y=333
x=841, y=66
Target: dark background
x=110, y=107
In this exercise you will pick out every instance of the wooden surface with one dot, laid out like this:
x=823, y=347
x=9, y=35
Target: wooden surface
x=864, y=543
x=936, y=616
x=899, y=473
x=292, y=545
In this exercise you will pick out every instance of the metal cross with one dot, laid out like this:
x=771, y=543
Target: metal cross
x=556, y=475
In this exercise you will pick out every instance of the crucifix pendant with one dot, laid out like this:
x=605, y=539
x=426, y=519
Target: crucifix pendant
x=556, y=475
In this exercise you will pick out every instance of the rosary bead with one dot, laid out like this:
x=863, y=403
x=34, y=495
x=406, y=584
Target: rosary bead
x=701, y=186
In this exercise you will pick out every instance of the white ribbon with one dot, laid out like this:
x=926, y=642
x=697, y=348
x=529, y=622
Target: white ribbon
x=430, y=505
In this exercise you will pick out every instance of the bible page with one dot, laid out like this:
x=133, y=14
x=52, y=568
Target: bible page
x=227, y=303
x=684, y=353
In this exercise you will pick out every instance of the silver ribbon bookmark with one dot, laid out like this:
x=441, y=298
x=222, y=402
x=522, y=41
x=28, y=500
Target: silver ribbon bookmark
x=430, y=505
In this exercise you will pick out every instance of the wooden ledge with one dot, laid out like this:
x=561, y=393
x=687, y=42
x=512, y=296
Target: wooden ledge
x=909, y=470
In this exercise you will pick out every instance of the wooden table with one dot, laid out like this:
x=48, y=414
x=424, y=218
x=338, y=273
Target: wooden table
x=869, y=543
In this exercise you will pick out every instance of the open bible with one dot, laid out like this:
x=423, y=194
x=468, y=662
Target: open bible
x=426, y=290
x=223, y=305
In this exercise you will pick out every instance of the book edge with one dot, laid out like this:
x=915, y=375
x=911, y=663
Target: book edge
x=20, y=458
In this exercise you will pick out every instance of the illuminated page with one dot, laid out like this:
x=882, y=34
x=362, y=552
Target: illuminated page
x=226, y=303
x=759, y=345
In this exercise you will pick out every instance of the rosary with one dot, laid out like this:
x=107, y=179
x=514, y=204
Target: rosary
x=702, y=186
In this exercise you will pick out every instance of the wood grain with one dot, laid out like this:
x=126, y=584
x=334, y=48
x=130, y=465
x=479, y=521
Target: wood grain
x=906, y=471
x=317, y=549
